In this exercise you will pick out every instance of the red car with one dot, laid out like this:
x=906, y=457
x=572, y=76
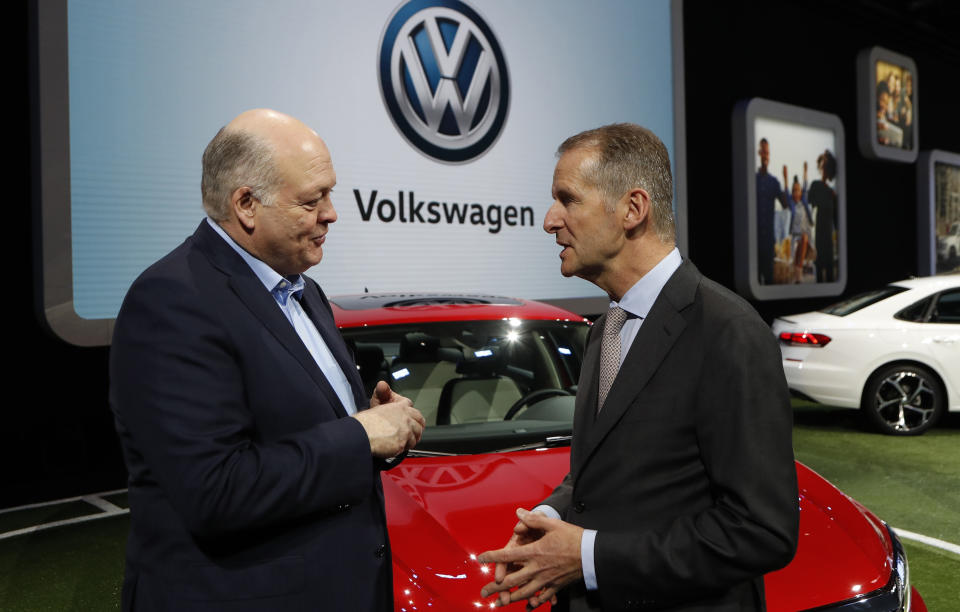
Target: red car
x=495, y=378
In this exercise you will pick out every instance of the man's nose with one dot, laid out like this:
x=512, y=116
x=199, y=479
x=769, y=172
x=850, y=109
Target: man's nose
x=552, y=221
x=328, y=216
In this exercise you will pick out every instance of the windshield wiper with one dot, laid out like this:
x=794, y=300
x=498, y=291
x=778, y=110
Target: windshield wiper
x=549, y=442
x=425, y=453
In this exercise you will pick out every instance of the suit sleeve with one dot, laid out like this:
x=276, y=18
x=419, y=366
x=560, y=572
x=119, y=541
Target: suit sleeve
x=561, y=497
x=743, y=429
x=178, y=392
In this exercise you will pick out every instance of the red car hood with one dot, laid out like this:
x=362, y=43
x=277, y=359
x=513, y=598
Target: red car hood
x=443, y=511
x=844, y=550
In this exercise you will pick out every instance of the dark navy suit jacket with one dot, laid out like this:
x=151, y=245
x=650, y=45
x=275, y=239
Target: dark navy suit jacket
x=249, y=487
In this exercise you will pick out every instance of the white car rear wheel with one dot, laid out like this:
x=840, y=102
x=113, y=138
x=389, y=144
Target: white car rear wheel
x=903, y=400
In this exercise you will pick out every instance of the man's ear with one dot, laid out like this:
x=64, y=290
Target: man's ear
x=244, y=205
x=638, y=209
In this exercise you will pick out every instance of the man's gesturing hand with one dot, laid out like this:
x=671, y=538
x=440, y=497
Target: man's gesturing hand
x=392, y=424
x=541, y=558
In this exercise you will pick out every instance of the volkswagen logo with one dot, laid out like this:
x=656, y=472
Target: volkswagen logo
x=444, y=79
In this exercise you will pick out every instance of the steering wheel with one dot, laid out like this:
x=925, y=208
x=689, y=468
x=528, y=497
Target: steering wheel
x=532, y=398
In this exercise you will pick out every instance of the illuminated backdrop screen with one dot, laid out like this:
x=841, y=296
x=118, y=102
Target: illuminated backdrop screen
x=442, y=119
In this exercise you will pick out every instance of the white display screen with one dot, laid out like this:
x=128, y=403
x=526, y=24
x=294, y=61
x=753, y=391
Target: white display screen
x=444, y=193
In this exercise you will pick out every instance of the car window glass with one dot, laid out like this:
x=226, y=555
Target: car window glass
x=916, y=313
x=948, y=308
x=855, y=303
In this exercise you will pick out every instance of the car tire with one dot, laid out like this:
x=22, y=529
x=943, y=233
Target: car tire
x=903, y=400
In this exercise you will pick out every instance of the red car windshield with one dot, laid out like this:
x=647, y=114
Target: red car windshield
x=481, y=385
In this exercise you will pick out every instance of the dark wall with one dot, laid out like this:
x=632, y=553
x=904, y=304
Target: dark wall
x=56, y=433
x=803, y=52
x=57, y=439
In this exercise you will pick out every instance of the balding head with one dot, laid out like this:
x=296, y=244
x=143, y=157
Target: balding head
x=267, y=180
x=286, y=135
x=247, y=152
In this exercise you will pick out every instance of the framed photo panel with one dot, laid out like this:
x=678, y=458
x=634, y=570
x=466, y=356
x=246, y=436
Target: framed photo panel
x=938, y=212
x=789, y=201
x=887, y=107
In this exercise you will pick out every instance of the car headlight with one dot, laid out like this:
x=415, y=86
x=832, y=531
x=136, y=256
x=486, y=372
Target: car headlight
x=893, y=597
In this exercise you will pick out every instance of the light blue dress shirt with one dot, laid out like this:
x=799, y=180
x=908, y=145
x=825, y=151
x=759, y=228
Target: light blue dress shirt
x=637, y=301
x=281, y=288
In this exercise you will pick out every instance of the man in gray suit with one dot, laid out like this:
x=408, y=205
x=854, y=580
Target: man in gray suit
x=682, y=489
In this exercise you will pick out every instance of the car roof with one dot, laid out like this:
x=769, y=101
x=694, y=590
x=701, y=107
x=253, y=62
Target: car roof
x=933, y=283
x=393, y=308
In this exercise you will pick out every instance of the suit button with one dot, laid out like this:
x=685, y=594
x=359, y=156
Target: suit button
x=381, y=551
x=579, y=506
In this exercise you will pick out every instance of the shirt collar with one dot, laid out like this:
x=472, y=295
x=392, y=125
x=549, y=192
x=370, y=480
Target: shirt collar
x=267, y=275
x=639, y=299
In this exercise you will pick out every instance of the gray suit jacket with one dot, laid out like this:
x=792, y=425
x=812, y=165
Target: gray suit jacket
x=687, y=473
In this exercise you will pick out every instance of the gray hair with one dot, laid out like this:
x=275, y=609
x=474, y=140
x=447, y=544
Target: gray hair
x=628, y=157
x=234, y=159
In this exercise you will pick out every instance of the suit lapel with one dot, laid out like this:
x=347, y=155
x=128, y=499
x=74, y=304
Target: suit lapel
x=657, y=335
x=585, y=410
x=258, y=300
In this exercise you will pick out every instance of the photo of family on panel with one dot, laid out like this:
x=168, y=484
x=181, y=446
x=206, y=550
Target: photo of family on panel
x=796, y=203
x=895, y=104
x=947, y=216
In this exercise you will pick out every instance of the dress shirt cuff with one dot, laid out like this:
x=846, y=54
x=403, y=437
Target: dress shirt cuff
x=586, y=548
x=548, y=511
x=586, y=559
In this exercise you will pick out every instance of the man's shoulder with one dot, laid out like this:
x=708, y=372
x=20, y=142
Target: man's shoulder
x=718, y=301
x=818, y=187
x=724, y=299
x=182, y=275
x=765, y=178
x=179, y=265
x=719, y=316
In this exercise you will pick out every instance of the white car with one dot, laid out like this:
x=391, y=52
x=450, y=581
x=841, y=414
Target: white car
x=893, y=352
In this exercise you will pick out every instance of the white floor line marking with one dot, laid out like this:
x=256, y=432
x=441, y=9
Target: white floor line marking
x=100, y=503
x=58, y=501
x=72, y=521
x=909, y=535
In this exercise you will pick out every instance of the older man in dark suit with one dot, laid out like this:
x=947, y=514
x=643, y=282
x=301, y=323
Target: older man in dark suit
x=254, y=468
x=682, y=490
